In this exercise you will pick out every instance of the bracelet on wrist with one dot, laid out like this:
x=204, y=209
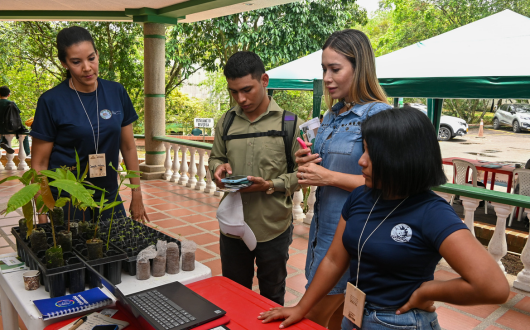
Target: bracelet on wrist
x=136, y=189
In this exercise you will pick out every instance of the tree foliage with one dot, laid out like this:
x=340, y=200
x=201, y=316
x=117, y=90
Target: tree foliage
x=401, y=23
x=277, y=34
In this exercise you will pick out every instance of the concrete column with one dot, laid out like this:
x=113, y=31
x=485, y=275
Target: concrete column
x=154, y=91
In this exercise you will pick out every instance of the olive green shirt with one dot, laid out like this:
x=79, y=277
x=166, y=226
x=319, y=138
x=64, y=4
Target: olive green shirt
x=267, y=215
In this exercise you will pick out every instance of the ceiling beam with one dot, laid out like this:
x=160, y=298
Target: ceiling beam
x=60, y=15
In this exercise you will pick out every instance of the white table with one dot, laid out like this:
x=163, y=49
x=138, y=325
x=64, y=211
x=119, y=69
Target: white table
x=16, y=300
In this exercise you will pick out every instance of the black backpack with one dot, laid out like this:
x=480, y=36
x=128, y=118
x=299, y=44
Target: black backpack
x=287, y=133
x=11, y=122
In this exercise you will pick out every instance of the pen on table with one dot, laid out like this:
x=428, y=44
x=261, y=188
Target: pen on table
x=78, y=323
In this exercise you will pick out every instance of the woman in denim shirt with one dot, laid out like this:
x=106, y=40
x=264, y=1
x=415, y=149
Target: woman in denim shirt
x=349, y=76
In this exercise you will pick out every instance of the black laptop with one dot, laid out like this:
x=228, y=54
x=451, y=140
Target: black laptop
x=170, y=306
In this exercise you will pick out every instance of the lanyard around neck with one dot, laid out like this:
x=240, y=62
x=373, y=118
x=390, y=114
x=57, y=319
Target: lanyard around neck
x=96, y=144
x=359, y=247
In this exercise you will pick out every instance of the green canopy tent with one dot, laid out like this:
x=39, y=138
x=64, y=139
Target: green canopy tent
x=484, y=59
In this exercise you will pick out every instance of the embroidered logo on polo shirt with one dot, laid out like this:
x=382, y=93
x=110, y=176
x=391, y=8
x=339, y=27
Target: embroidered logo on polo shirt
x=105, y=114
x=401, y=233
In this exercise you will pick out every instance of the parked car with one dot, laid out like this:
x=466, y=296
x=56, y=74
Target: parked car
x=450, y=126
x=516, y=115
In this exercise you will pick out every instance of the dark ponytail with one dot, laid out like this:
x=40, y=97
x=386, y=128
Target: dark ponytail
x=71, y=36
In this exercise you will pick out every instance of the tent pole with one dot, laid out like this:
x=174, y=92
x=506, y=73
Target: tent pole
x=270, y=92
x=434, y=111
x=396, y=102
x=318, y=91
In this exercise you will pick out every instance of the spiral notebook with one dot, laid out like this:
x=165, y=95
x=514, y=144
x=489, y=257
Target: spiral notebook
x=73, y=303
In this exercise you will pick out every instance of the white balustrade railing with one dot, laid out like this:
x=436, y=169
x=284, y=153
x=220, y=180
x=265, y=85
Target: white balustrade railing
x=195, y=174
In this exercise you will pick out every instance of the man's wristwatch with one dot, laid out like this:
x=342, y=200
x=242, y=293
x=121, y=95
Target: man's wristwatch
x=271, y=187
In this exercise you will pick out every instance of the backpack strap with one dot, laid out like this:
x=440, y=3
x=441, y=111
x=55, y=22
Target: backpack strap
x=288, y=123
x=251, y=135
x=287, y=133
x=229, y=119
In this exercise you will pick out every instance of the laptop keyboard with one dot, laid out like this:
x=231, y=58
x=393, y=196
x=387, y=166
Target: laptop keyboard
x=168, y=314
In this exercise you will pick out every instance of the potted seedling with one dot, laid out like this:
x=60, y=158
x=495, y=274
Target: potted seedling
x=63, y=173
x=37, y=196
x=95, y=244
x=128, y=174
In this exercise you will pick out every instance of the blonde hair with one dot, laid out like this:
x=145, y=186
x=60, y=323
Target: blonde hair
x=356, y=47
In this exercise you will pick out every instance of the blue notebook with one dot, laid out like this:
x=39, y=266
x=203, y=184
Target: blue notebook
x=73, y=303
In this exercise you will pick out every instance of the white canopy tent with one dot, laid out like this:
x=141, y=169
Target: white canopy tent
x=484, y=59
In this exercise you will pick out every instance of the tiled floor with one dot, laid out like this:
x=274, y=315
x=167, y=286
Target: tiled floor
x=188, y=214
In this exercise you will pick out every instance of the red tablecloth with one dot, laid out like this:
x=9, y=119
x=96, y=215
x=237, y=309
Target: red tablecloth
x=242, y=307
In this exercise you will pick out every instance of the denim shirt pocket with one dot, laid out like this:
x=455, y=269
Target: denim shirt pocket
x=344, y=138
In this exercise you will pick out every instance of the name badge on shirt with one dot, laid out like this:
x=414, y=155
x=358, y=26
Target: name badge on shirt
x=354, y=305
x=96, y=163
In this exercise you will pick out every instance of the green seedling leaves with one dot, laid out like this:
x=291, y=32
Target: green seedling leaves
x=28, y=216
x=111, y=205
x=131, y=175
x=56, y=175
x=61, y=202
x=78, y=164
x=132, y=186
x=75, y=189
x=22, y=197
x=11, y=178
x=46, y=193
x=83, y=177
x=70, y=176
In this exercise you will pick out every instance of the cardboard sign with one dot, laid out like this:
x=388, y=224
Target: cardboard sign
x=96, y=163
x=354, y=305
x=203, y=122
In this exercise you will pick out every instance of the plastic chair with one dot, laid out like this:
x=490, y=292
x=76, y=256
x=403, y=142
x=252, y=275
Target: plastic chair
x=521, y=178
x=460, y=175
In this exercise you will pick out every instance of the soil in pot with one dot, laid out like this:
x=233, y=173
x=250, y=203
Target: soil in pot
x=57, y=216
x=23, y=228
x=54, y=257
x=38, y=240
x=172, y=258
x=143, y=269
x=188, y=255
x=64, y=239
x=94, y=249
x=159, y=266
x=89, y=234
x=74, y=229
x=83, y=227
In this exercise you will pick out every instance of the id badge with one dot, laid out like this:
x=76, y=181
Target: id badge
x=96, y=163
x=354, y=305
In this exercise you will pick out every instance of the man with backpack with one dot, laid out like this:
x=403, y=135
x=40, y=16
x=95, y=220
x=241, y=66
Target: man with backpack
x=10, y=122
x=257, y=139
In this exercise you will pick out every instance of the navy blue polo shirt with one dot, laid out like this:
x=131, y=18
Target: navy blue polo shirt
x=403, y=252
x=60, y=118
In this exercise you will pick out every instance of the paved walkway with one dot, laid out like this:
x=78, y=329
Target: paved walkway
x=189, y=214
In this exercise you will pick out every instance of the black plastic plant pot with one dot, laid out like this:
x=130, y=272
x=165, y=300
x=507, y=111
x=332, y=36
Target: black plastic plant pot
x=23, y=228
x=94, y=249
x=112, y=270
x=54, y=280
x=77, y=281
x=57, y=215
x=83, y=227
x=54, y=257
x=39, y=240
x=56, y=285
x=74, y=229
x=64, y=239
x=92, y=279
x=109, y=265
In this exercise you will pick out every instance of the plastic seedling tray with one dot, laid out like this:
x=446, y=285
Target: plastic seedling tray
x=56, y=280
x=135, y=237
x=108, y=266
